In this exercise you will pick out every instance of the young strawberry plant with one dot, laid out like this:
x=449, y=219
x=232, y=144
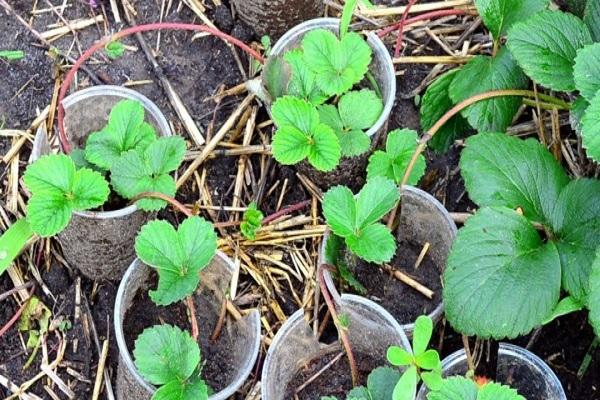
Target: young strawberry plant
x=321, y=109
x=251, y=221
x=535, y=234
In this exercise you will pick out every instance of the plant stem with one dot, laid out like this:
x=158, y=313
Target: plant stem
x=454, y=111
x=189, y=301
x=15, y=317
x=64, y=141
x=341, y=331
x=217, y=332
x=398, y=48
x=285, y=211
x=162, y=196
x=470, y=363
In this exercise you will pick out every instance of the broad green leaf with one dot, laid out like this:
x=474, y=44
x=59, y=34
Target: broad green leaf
x=399, y=357
x=381, y=383
x=587, y=71
x=360, y=109
x=590, y=129
x=576, y=227
x=374, y=244
x=339, y=209
x=324, y=152
x=564, y=307
x=429, y=360
x=78, y=157
x=358, y=393
x=290, y=146
x=392, y=164
x=57, y=190
x=433, y=379
x=578, y=110
x=482, y=74
x=354, y=143
x=495, y=391
x=422, y=334
x=594, y=298
x=13, y=241
x=455, y=388
x=126, y=130
x=303, y=82
x=407, y=385
x=435, y=103
x=276, y=77
x=375, y=199
x=137, y=171
x=193, y=389
x=545, y=46
x=592, y=18
x=347, y=12
x=500, y=170
x=498, y=254
x=499, y=15
x=165, y=353
x=338, y=65
x=251, y=221
x=178, y=256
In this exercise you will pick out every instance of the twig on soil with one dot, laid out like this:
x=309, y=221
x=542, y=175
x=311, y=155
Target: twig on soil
x=100, y=371
x=422, y=255
x=402, y=277
x=7, y=294
x=285, y=211
x=222, y=314
x=319, y=373
x=189, y=301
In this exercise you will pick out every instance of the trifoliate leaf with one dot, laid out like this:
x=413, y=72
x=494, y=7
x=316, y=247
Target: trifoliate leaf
x=303, y=82
x=139, y=171
x=178, y=255
x=590, y=129
x=126, y=130
x=435, y=103
x=300, y=135
x=576, y=228
x=587, y=71
x=375, y=199
x=58, y=189
x=455, y=388
x=422, y=334
x=165, y=353
x=578, y=109
x=192, y=389
x=339, y=209
x=373, y=244
x=407, y=385
x=381, y=383
x=482, y=74
x=498, y=254
x=594, y=298
x=337, y=64
x=251, y=221
x=545, y=46
x=399, y=357
x=114, y=50
x=592, y=18
x=499, y=15
x=392, y=163
x=500, y=170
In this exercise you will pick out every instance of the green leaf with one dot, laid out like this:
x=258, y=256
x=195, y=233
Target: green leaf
x=339, y=209
x=347, y=276
x=375, y=199
x=276, y=76
x=303, y=83
x=325, y=151
x=392, y=164
x=429, y=360
x=179, y=256
x=57, y=190
x=12, y=242
x=251, y=221
x=455, y=388
x=545, y=46
x=114, y=50
x=435, y=103
x=358, y=393
x=381, y=383
x=78, y=157
x=590, y=129
x=576, y=227
x=399, y=357
x=482, y=74
x=137, y=171
x=290, y=146
x=576, y=7
x=337, y=64
x=433, y=379
x=496, y=391
x=587, y=71
x=564, y=307
x=422, y=334
x=499, y=15
x=407, y=385
x=347, y=12
x=578, y=110
x=498, y=254
x=373, y=244
x=195, y=389
x=126, y=130
x=592, y=18
x=500, y=170
x=594, y=298
x=165, y=353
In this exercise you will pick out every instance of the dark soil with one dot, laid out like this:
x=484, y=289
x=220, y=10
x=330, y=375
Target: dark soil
x=402, y=301
x=335, y=381
x=216, y=356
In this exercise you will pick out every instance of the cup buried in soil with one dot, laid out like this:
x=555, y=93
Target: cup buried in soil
x=371, y=331
x=423, y=220
x=518, y=368
x=100, y=243
x=382, y=68
x=244, y=335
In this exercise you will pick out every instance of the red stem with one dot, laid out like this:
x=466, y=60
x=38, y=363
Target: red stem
x=285, y=211
x=168, y=199
x=422, y=17
x=15, y=317
x=398, y=47
x=64, y=141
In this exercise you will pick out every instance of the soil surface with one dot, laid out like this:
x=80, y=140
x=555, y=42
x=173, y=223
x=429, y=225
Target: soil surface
x=218, y=364
x=334, y=381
